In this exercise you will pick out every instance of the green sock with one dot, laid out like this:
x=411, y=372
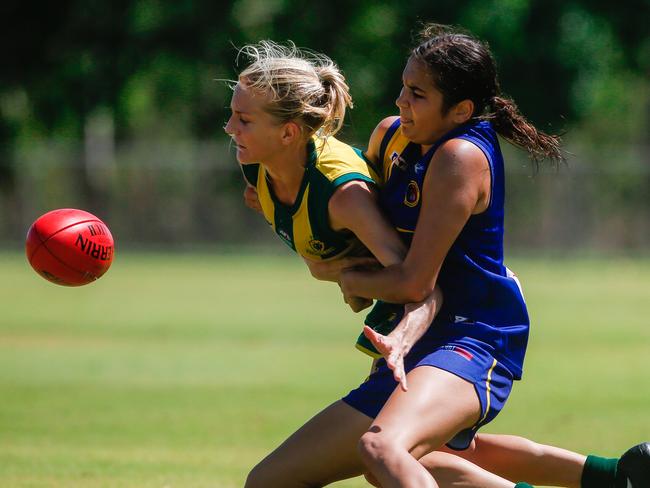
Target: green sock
x=523, y=485
x=599, y=472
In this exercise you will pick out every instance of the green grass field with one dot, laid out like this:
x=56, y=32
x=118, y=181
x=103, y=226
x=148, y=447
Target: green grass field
x=183, y=371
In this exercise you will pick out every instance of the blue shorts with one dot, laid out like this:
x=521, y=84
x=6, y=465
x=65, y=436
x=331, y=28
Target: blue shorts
x=463, y=357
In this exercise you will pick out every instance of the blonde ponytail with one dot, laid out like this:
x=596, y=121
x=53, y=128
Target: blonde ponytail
x=305, y=86
x=337, y=98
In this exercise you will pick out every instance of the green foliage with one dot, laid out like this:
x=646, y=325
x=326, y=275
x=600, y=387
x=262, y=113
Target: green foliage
x=145, y=73
x=147, y=60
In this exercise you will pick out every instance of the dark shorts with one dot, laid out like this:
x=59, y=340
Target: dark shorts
x=463, y=357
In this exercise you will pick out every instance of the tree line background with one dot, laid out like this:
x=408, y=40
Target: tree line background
x=116, y=107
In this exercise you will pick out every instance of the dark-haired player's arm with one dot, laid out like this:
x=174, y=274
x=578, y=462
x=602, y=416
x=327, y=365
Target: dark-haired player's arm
x=456, y=185
x=355, y=208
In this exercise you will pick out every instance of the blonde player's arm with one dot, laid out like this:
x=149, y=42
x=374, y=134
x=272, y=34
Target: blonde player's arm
x=251, y=200
x=331, y=270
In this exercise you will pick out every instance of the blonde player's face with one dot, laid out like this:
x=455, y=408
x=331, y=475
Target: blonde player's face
x=254, y=131
x=420, y=106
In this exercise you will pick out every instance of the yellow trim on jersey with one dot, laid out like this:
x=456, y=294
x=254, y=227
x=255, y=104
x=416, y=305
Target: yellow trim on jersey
x=336, y=159
x=305, y=226
x=302, y=224
x=373, y=354
x=264, y=196
x=488, y=389
x=394, y=149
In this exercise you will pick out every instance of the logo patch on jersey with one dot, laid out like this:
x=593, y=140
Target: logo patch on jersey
x=283, y=233
x=398, y=160
x=412, y=195
x=317, y=248
x=459, y=319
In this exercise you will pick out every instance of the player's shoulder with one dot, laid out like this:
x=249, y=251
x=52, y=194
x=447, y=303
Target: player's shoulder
x=386, y=124
x=350, y=198
x=335, y=159
x=459, y=155
x=382, y=128
x=377, y=136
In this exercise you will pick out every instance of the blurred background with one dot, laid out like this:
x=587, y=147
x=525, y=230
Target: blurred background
x=208, y=343
x=117, y=107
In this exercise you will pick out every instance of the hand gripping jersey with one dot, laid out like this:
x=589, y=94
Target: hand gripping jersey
x=304, y=226
x=482, y=299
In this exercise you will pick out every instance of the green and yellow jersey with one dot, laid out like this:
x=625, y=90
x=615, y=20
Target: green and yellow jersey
x=305, y=225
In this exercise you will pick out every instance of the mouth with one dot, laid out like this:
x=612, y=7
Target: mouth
x=405, y=120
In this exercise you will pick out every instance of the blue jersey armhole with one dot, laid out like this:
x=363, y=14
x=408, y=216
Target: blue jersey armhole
x=489, y=156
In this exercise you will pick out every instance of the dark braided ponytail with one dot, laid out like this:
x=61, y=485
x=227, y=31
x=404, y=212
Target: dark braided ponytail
x=463, y=69
x=508, y=121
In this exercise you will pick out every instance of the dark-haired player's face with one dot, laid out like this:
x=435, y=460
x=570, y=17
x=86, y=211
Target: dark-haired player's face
x=420, y=106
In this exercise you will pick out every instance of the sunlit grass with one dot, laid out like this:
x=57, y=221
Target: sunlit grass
x=184, y=370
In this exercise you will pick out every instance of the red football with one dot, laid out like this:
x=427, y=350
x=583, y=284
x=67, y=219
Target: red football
x=69, y=247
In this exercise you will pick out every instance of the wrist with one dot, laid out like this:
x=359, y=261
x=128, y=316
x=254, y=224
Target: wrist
x=402, y=338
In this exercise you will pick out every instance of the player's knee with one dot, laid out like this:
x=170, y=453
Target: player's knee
x=374, y=446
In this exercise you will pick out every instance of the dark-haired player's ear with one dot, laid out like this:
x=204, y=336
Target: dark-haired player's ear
x=463, y=111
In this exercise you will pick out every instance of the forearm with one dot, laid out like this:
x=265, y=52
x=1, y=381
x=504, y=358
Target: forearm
x=331, y=270
x=392, y=284
x=417, y=319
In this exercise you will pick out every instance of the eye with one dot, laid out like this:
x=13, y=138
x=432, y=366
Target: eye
x=243, y=121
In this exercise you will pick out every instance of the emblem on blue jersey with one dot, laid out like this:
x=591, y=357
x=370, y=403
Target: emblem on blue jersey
x=412, y=195
x=398, y=160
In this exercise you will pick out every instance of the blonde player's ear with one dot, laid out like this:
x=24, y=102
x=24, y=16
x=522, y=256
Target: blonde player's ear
x=463, y=111
x=291, y=132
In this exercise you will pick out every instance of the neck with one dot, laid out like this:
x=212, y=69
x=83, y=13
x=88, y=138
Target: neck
x=286, y=172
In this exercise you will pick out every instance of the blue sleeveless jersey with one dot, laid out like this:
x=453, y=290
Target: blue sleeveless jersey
x=482, y=299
